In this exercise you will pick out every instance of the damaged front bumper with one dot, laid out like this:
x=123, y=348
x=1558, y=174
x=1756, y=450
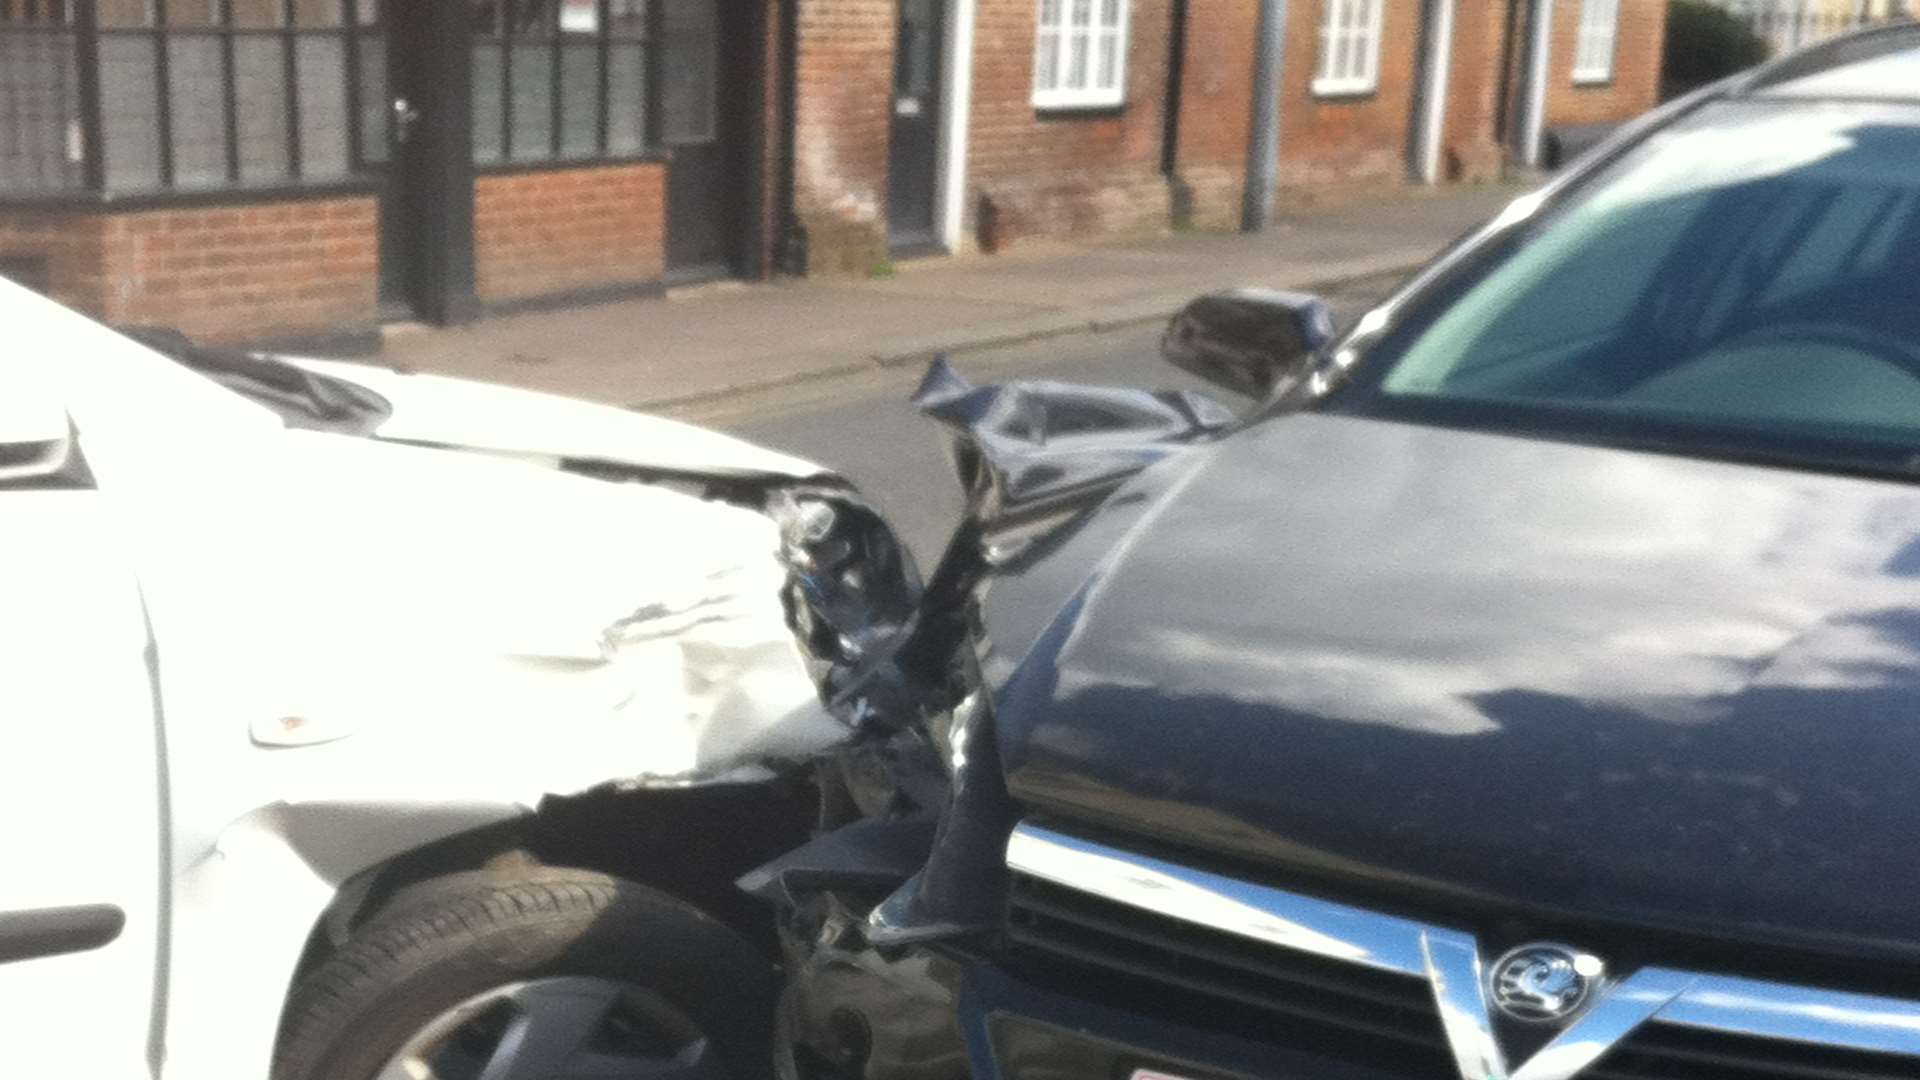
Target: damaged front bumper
x=892, y=920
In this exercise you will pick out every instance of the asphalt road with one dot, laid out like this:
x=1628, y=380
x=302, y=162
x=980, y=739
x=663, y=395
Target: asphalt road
x=863, y=426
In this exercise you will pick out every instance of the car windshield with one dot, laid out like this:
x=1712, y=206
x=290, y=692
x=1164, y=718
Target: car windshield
x=1744, y=283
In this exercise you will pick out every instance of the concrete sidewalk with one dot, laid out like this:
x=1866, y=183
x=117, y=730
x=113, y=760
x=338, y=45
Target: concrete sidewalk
x=714, y=340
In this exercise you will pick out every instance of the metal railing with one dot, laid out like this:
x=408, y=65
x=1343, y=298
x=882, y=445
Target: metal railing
x=1791, y=24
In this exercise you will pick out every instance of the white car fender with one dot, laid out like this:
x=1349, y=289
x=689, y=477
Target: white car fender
x=245, y=912
x=366, y=645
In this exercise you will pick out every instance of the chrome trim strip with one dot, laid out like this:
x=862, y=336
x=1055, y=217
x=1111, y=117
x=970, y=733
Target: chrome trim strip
x=1460, y=993
x=1451, y=961
x=1611, y=1018
x=1220, y=903
x=1799, y=1014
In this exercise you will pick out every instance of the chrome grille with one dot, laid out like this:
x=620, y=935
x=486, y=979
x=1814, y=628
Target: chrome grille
x=1215, y=981
x=1665, y=1052
x=1361, y=985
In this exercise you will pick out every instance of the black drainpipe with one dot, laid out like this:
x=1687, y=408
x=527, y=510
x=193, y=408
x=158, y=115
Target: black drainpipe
x=1176, y=68
x=790, y=249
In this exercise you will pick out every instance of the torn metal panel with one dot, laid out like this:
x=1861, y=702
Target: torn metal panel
x=914, y=825
x=862, y=857
x=854, y=596
x=1023, y=448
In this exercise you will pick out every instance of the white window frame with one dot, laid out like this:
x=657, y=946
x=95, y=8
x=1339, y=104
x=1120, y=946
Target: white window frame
x=1061, y=35
x=1349, y=62
x=1598, y=34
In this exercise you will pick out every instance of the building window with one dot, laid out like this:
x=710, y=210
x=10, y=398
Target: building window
x=139, y=96
x=1593, y=56
x=40, y=144
x=559, y=80
x=1349, y=48
x=1080, y=54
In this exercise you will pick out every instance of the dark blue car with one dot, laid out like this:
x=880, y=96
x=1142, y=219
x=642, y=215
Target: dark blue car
x=1530, y=690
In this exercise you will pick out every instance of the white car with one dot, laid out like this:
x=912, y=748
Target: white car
x=372, y=725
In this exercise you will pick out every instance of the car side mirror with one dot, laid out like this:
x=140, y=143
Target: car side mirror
x=36, y=441
x=1248, y=340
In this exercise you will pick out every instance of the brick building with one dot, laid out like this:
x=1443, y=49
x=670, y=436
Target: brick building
x=288, y=170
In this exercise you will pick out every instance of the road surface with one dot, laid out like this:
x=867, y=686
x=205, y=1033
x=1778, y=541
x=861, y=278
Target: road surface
x=862, y=425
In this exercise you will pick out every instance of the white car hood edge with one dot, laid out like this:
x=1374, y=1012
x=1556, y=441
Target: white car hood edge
x=441, y=411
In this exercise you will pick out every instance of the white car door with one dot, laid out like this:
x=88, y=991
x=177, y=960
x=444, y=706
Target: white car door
x=81, y=815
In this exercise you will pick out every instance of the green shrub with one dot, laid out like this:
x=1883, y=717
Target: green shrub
x=1705, y=43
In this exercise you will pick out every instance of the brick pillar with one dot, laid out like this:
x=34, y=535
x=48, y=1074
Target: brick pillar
x=1216, y=84
x=1470, y=146
x=843, y=84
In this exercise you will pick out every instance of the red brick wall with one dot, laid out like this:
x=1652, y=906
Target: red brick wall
x=561, y=230
x=1470, y=147
x=59, y=253
x=843, y=97
x=1635, y=85
x=229, y=273
x=1216, y=103
x=1340, y=140
x=1065, y=172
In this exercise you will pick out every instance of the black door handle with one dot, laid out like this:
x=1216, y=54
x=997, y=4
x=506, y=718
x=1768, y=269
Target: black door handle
x=29, y=935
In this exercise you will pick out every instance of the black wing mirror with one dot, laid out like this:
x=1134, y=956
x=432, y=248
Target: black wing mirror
x=1248, y=340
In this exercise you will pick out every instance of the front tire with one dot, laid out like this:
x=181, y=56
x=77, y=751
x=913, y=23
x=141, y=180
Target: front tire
x=531, y=973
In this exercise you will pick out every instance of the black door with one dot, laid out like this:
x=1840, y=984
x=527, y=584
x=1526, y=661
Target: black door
x=913, y=149
x=704, y=90
x=390, y=41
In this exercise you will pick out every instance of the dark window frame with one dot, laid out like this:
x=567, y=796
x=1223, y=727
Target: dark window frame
x=509, y=40
x=617, y=136
x=88, y=36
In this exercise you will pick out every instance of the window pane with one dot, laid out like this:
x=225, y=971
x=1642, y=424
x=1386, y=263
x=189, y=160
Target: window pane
x=260, y=99
x=1110, y=14
x=629, y=18
x=376, y=110
x=487, y=71
x=1046, y=61
x=1108, y=77
x=626, y=99
x=197, y=109
x=489, y=18
x=322, y=65
x=532, y=102
x=258, y=13
x=580, y=99
x=124, y=12
x=1079, y=46
x=129, y=112
x=531, y=18
x=316, y=13
x=1050, y=14
x=580, y=16
x=196, y=14
x=38, y=122
x=689, y=68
